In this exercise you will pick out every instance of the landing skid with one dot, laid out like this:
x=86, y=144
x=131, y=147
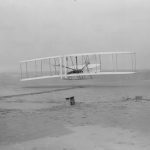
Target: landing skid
x=81, y=77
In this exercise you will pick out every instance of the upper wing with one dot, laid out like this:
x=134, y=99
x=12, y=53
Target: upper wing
x=40, y=68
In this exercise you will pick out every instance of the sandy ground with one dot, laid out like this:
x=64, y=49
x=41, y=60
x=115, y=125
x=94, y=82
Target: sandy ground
x=35, y=116
x=92, y=137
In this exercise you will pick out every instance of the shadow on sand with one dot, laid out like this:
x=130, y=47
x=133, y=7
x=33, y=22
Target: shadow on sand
x=114, y=85
x=36, y=93
x=58, y=88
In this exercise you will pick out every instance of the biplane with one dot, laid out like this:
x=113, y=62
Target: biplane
x=78, y=66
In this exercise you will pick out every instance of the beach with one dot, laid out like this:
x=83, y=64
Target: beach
x=107, y=116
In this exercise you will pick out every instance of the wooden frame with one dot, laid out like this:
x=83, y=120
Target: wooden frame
x=78, y=65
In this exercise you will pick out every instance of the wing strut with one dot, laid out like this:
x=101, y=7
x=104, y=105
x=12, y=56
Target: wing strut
x=21, y=70
x=100, y=61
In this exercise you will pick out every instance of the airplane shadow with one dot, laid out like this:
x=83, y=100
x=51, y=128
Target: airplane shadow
x=76, y=86
x=58, y=88
x=36, y=93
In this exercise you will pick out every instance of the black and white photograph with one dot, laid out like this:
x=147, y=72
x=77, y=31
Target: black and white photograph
x=74, y=75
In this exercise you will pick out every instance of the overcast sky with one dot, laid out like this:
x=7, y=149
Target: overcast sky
x=39, y=28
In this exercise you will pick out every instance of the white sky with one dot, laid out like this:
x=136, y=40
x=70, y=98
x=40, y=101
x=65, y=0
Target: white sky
x=39, y=28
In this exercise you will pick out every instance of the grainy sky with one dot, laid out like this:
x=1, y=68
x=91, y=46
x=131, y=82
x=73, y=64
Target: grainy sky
x=39, y=28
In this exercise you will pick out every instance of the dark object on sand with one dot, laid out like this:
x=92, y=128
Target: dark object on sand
x=68, y=98
x=138, y=98
x=71, y=99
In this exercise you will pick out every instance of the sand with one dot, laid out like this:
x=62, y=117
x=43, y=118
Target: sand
x=92, y=137
x=36, y=116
